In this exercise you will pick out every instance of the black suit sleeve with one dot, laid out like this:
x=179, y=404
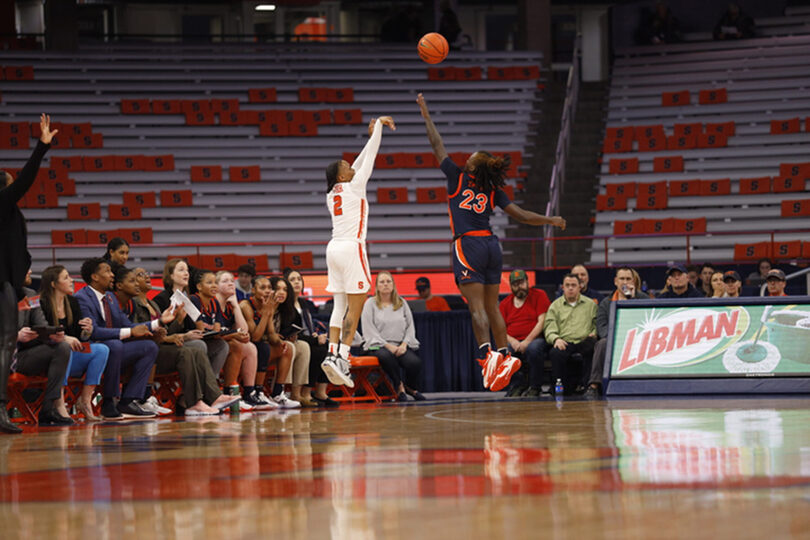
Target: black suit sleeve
x=24, y=180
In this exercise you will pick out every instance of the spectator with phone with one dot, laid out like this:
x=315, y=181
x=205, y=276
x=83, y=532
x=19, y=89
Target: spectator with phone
x=43, y=350
x=61, y=308
x=628, y=287
x=389, y=334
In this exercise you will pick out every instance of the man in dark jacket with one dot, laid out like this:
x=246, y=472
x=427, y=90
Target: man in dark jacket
x=15, y=259
x=678, y=285
x=627, y=288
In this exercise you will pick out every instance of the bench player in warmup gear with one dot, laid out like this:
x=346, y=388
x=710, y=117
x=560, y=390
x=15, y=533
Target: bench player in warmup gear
x=474, y=192
x=348, y=277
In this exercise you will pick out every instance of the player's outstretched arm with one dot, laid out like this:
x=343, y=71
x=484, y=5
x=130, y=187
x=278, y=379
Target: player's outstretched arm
x=433, y=134
x=528, y=217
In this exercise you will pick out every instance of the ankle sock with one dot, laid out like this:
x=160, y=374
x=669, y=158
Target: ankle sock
x=343, y=350
x=483, y=350
x=333, y=348
x=504, y=350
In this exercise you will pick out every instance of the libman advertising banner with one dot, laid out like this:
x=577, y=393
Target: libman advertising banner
x=711, y=341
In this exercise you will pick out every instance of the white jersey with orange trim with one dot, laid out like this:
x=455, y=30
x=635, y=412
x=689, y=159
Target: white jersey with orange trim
x=347, y=201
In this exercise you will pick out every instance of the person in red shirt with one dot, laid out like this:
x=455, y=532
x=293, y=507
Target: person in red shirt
x=776, y=282
x=524, y=312
x=432, y=303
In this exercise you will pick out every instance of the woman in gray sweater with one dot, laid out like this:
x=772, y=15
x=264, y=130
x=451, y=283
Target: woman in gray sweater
x=388, y=333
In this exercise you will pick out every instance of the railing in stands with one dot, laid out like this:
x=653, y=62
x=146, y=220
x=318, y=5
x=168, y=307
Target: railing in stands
x=556, y=186
x=535, y=247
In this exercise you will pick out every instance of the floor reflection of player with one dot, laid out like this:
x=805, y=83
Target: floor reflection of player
x=474, y=191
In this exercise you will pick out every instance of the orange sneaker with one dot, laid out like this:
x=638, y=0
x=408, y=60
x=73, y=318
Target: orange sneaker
x=491, y=365
x=508, y=367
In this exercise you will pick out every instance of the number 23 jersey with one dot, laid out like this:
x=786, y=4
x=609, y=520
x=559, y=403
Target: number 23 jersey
x=468, y=207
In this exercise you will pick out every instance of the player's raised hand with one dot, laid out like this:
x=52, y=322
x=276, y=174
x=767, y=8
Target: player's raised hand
x=45, y=126
x=388, y=121
x=558, y=221
x=420, y=100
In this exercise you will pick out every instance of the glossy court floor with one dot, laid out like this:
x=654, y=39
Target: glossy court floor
x=446, y=468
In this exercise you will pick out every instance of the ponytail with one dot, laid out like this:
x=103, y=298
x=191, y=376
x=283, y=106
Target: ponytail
x=490, y=171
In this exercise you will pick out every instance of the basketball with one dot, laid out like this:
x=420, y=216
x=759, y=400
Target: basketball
x=433, y=48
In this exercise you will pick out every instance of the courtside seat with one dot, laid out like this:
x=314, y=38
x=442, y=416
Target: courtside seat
x=370, y=383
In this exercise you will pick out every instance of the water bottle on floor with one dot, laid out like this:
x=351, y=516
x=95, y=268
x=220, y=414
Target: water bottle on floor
x=558, y=388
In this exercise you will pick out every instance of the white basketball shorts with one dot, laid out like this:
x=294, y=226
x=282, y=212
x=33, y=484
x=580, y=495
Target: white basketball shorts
x=347, y=267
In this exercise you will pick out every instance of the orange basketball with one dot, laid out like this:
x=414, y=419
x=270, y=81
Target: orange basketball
x=433, y=48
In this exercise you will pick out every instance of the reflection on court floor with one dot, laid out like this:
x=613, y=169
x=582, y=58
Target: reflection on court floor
x=478, y=468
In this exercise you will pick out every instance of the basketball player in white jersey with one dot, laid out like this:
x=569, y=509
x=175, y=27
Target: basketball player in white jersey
x=349, y=278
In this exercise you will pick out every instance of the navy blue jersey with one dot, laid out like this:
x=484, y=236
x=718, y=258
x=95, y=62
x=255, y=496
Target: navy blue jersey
x=468, y=207
x=209, y=314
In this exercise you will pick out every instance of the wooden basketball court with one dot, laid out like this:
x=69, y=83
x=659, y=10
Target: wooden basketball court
x=446, y=468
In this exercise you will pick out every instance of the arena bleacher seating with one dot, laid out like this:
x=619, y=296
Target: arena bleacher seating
x=708, y=138
x=203, y=144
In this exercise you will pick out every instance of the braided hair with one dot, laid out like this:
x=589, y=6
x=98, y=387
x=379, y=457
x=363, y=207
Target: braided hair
x=490, y=171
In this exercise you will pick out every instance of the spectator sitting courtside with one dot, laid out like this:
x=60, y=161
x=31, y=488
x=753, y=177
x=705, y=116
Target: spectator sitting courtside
x=117, y=253
x=581, y=272
x=706, y=272
x=570, y=328
x=693, y=275
x=718, y=286
x=432, y=303
x=776, y=282
x=678, y=285
x=758, y=277
x=524, y=312
x=245, y=275
x=628, y=286
x=733, y=284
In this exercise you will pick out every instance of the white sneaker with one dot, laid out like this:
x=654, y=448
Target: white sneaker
x=153, y=405
x=286, y=403
x=337, y=370
x=244, y=406
x=264, y=398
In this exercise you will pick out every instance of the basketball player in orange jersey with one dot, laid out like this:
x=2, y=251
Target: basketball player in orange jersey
x=474, y=192
x=349, y=277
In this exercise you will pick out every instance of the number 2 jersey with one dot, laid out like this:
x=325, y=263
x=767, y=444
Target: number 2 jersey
x=347, y=201
x=468, y=207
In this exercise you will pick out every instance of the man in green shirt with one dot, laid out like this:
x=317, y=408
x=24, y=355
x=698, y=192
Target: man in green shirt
x=570, y=329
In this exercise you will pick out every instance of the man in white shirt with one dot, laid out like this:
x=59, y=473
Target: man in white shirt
x=112, y=327
x=349, y=277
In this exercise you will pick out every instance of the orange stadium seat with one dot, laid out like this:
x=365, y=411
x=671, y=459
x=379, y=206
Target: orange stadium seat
x=19, y=73
x=651, y=188
x=387, y=195
x=645, y=132
x=751, y=186
x=98, y=163
x=319, y=118
x=526, y=73
x=141, y=199
x=624, y=166
x=625, y=189
x=428, y=195
x=715, y=187
x=627, y=132
x=231, y=118
x=441, y=73
x=84, y=211
x=659, y=226
x=712, y=140
x=83, y=128
x=301, y=260
x=206, y=173
x=69, y=236
x=141, y=235
x=135, y=106
x=675, y=99
x=122, y=212
x=130, y=163
x=788, y=184
x=15, y=128
x=223, y=261
x=752, y=252
x=495, y=73
x=787, y=250
x=348, y=116
x=795, y=208
x=196, y=106
x=166, y=106
x=252, y=173
x=690, y=225
x=779, y=127
x=617, y=146
x=92, y=140
x=14, y=142
x=69, y=163
x=684, y=188
x=628, y=227
x=41, y=200
x=668, y=164
x=652, y=202
x=225, y=105
x=794, y=169
x=302, y=128
x=606, y=203
x=274, y=128
x=158, y=163
x=312, y=95
x=340, y=95
x=685, y=130
x=652, y=144
x=101, y=236
x=200, y=118
x=729, y=129
x=713, y=96
x=262, y=95
x=468, y=73
x=424, y=160
x=62, y=187
x=175, y=197
x=259, y=262
x=682, y=142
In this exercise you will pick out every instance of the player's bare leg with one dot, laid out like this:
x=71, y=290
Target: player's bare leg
x=474, y=294
x=505, y=364
x=336, y=365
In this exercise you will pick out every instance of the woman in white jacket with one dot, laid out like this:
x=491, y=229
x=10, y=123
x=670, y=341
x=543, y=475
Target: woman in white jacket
x=389, y=334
